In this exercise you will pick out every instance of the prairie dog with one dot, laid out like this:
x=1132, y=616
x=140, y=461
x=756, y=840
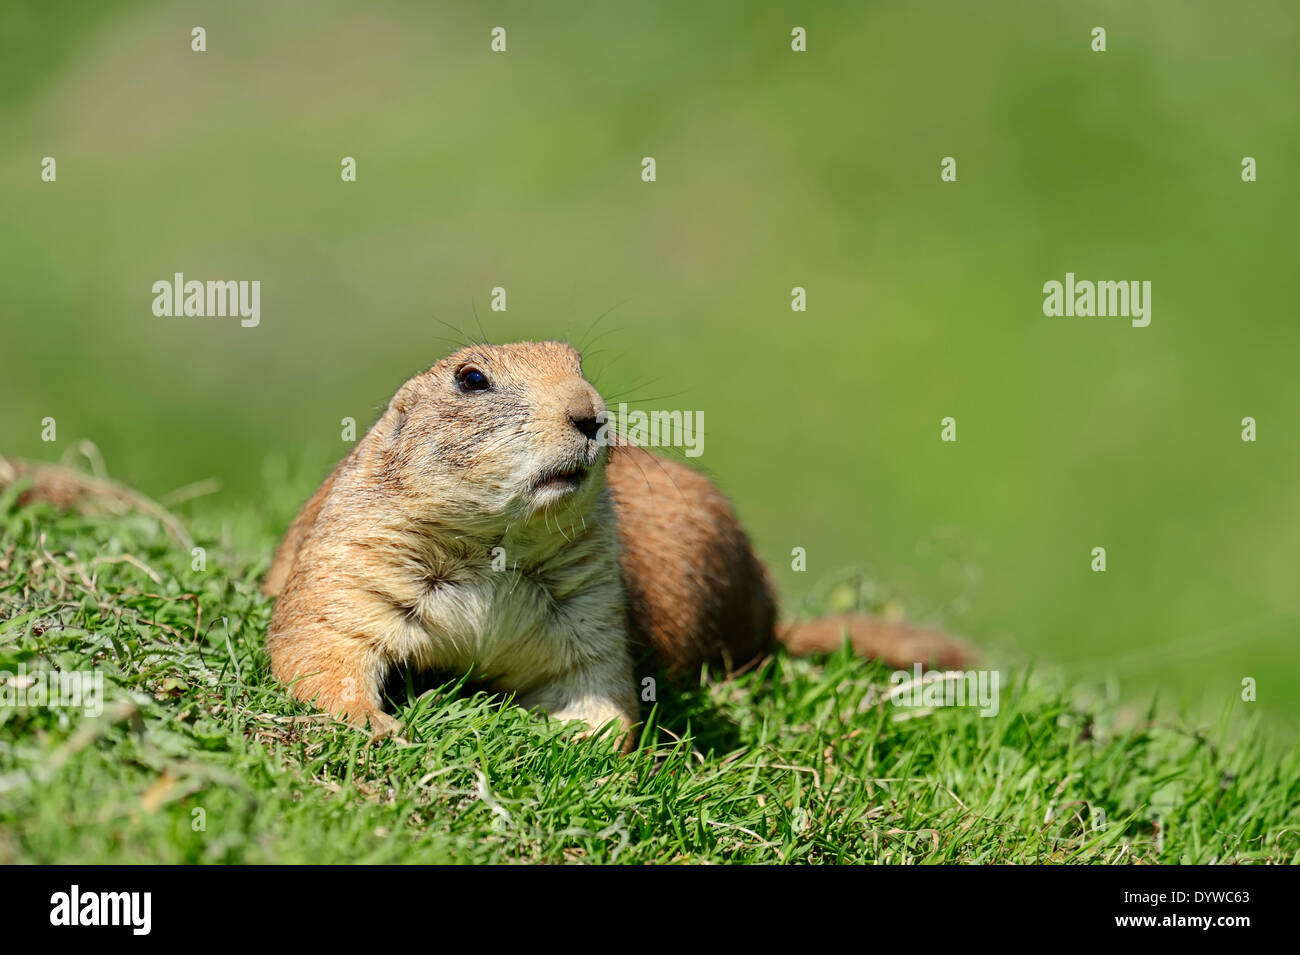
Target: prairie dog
x=484, y=523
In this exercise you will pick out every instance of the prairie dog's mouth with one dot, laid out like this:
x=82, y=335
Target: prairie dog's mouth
x=561, y=479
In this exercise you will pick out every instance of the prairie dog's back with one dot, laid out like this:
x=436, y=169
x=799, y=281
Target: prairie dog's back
x=287, y=552
x=695, y=591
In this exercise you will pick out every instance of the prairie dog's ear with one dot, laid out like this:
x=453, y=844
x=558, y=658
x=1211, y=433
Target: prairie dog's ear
x=405, y=397
x=400, y=407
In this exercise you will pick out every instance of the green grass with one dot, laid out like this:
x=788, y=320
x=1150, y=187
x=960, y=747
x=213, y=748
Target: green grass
x=784, y=764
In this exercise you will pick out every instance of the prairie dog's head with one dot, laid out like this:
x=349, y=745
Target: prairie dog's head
x=501, y=431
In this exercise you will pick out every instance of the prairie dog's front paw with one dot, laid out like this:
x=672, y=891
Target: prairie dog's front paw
x=597, y=714
x=596, y=709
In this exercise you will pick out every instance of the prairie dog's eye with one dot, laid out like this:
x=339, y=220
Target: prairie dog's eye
x=470, y=378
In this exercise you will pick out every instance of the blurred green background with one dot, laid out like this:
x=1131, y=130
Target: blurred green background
x=775, y=169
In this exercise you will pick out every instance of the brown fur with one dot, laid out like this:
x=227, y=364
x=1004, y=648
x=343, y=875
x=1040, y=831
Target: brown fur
x=391, y=560
x=697, y=594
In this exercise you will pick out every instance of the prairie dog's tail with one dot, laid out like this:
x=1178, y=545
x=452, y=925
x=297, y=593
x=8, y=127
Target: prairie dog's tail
x=897, y=644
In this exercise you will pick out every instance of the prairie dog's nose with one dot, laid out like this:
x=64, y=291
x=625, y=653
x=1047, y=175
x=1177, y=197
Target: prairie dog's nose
x=583, y=407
